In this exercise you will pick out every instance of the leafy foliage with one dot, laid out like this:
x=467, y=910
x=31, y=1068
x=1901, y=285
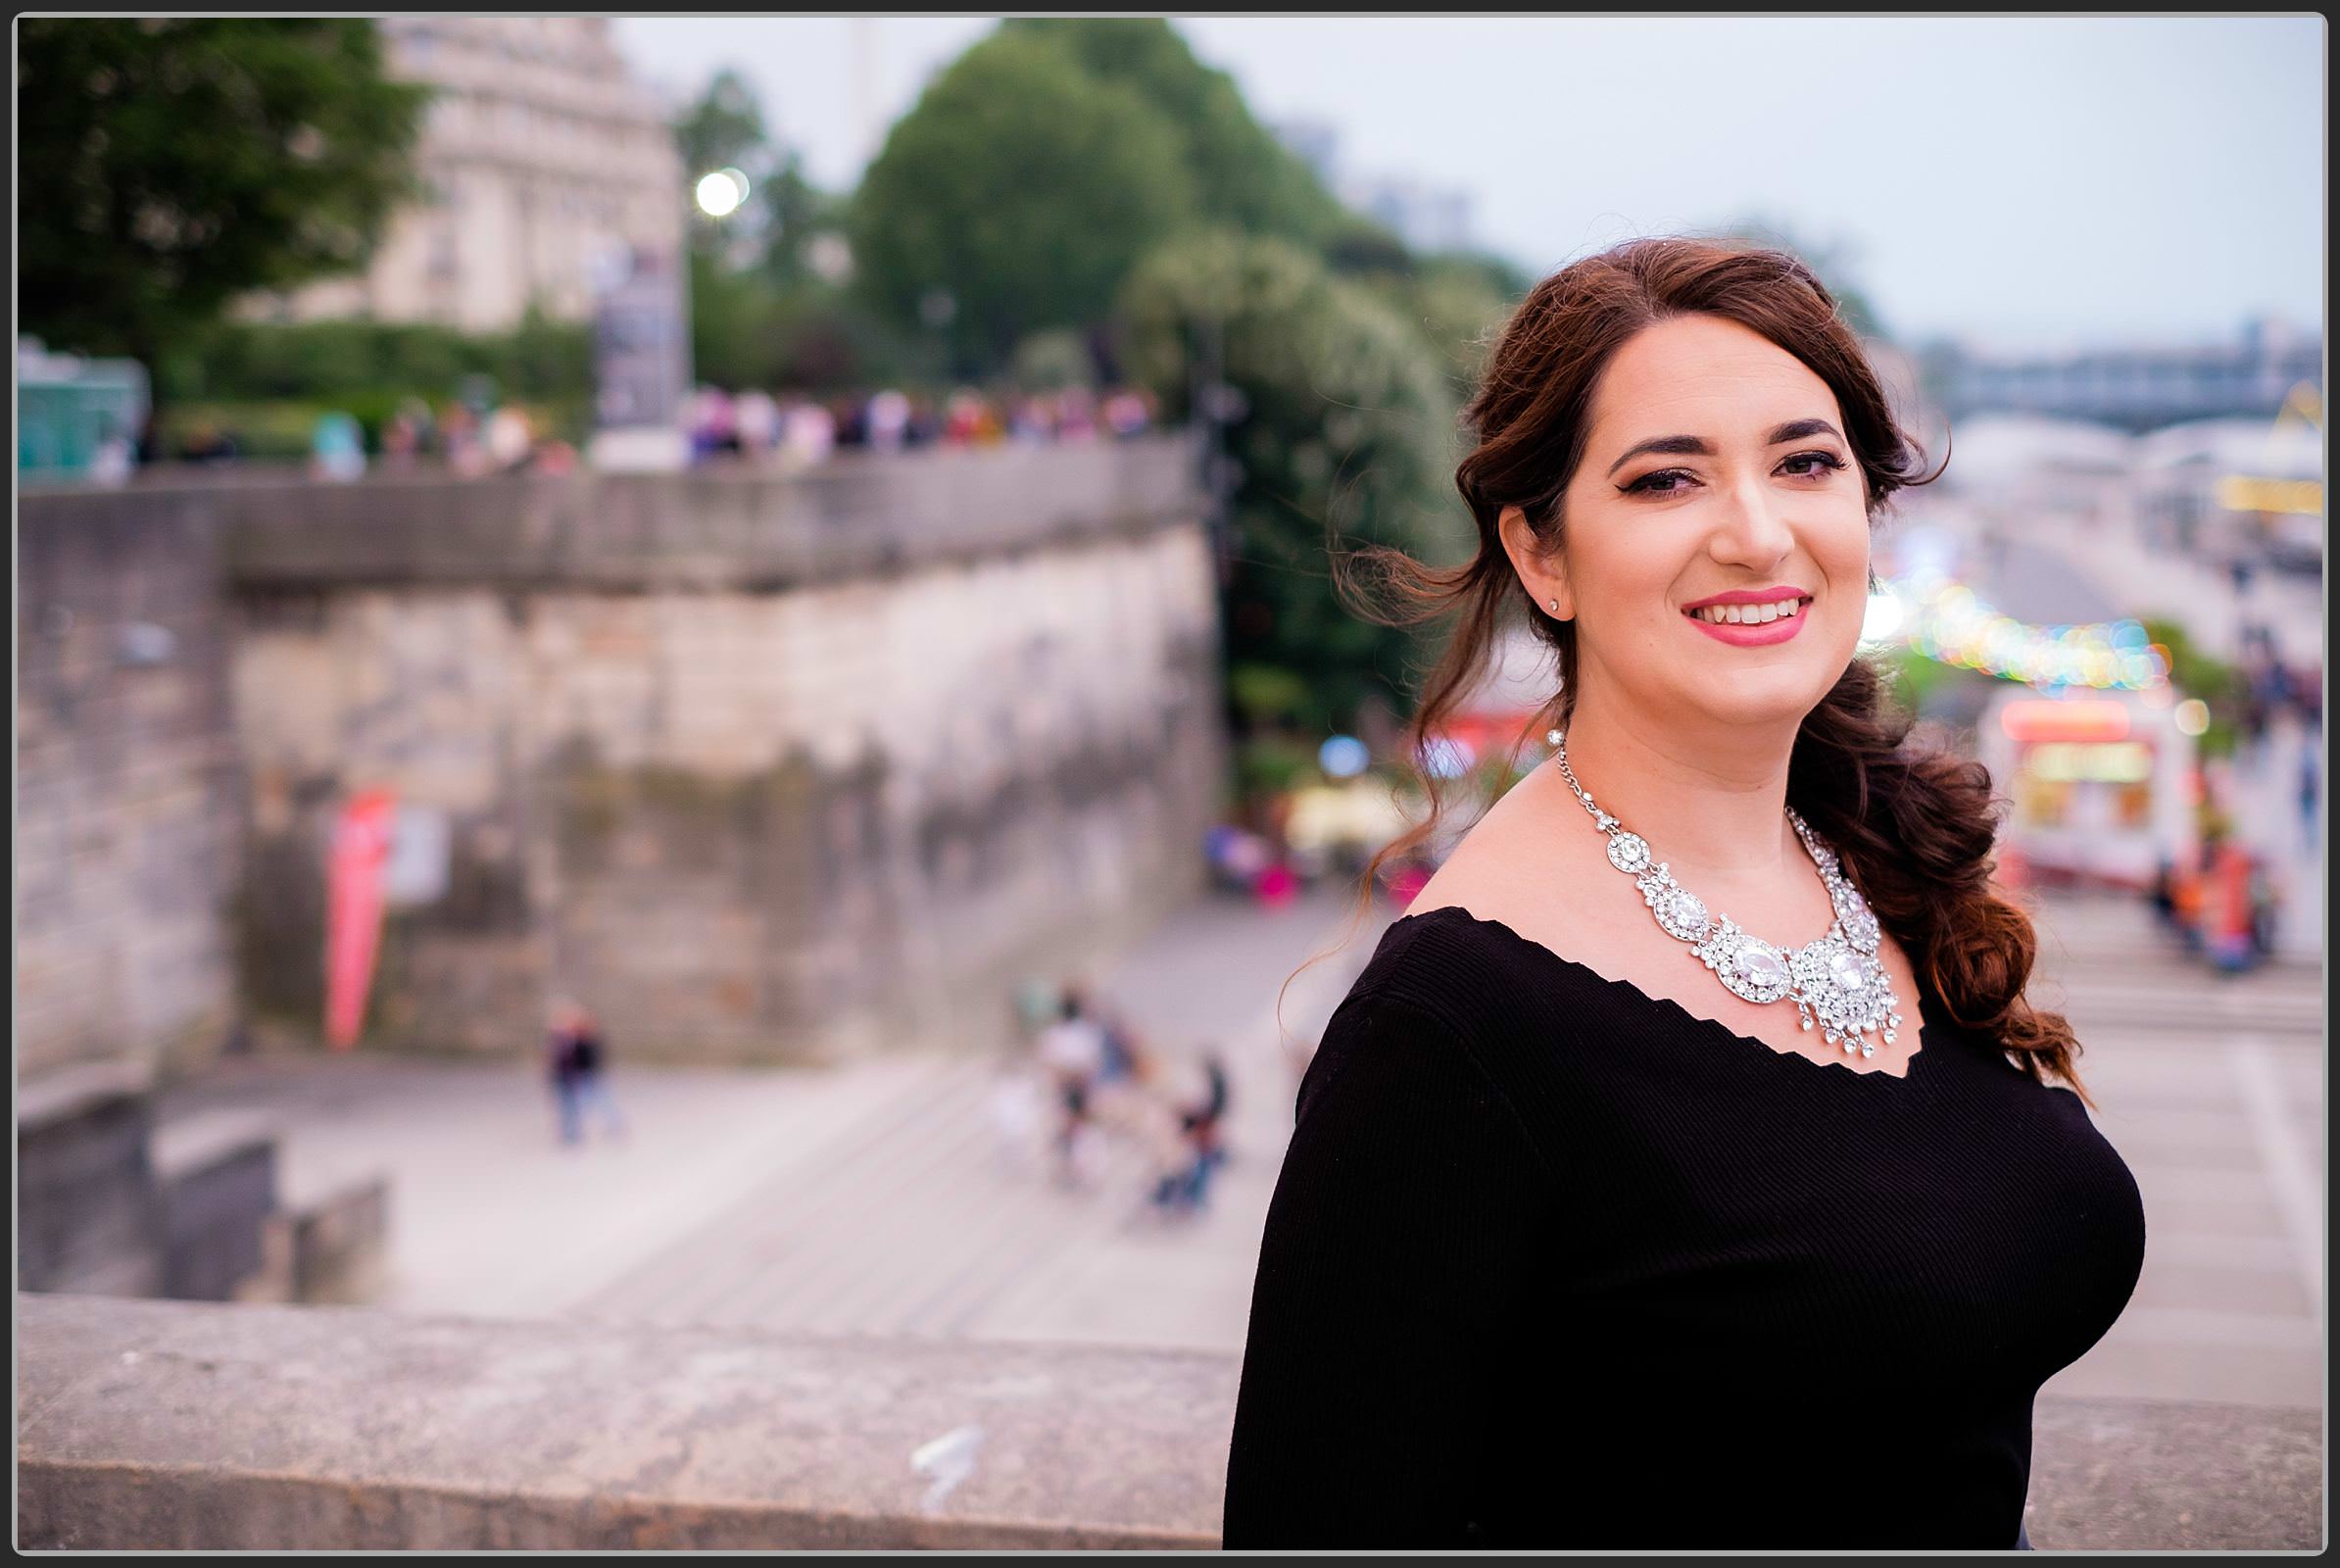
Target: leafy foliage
x=168, y=165
x=1021, y=189
x=2223, y=688
x=269, y=381
x=1346, y=431
x=1243, y=177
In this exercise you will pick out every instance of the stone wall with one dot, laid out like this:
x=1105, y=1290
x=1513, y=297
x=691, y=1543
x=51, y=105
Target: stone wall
x=165, y=1426
x=128, y=789
x=760, y=767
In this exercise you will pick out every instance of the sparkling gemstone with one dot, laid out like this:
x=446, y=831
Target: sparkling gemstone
x=1628, y=852
x=1895, y=1020
x=1807, y=1023
x=1868, y=1051
x=1847, y=971
x=1888, y=1037
x=1831, y=1037
x=1686, y=915
x=1760, y=968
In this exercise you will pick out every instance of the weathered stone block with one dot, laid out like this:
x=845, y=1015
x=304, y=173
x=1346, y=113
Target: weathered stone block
x=217, y=1175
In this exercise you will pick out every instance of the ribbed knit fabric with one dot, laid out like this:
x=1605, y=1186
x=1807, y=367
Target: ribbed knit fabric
x=1554, y=1264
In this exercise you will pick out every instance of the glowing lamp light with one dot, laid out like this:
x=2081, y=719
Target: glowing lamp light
x=2192, y=716
x=722, y=193
x=2297, y=497
x=2071, y=761
x=2084, y=720
x=1343, y=757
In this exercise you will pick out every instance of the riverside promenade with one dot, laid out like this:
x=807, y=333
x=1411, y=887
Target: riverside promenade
x=881, y=1198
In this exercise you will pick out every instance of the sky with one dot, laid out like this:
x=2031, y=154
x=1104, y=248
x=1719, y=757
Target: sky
x=2022, y=183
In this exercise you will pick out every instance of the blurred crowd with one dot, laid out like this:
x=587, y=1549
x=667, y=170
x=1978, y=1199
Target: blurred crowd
x=1093, y=1095
x=2219, y=905
x=800, y=431
x=474, y=439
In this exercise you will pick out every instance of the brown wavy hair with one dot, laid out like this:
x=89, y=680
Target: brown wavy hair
x=1913, y=823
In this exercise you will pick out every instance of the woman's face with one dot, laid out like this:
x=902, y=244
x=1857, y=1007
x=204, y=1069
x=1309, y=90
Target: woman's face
x=1716, y=486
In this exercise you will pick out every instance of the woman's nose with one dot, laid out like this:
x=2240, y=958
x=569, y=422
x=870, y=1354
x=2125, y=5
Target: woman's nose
x=1750, y=530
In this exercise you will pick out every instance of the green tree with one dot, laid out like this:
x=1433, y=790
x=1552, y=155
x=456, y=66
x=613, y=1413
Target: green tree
x=1244, y=179
x=2222, y=689
x=1346, y=435
x=723, y=128
x=1458, y=303
x=166, y=165
x=1014, y=197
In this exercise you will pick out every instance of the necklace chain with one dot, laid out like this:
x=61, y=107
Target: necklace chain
x=1835, y=981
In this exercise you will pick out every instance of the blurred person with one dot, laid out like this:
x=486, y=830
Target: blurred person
x=885, y=420
x=924, y=425
x=1559, y=1203
x=2186, y=898
x=1127, y=413
x=560, y=1072
x=2311, y=792
x=1076, y=414
x=458, y=430
x=337, y=448
x=712, y=423
x=1028, y=421
x=2267, y=908
x=209, y=444
x=809, y=433
x=402, y=440
x=758, y=421
x=1201, y=1125
x=849, y=420
x=1072, y=1051
x=2229, y=907
x=962, y=417
x=581, y=1063
x=510, y=439
x=116, y=457
x=2162, y=894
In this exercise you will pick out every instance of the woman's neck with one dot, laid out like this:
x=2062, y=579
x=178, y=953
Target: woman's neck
x=1708, y=801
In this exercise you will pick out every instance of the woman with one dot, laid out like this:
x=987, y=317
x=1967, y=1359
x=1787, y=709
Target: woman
x=1605, y=1224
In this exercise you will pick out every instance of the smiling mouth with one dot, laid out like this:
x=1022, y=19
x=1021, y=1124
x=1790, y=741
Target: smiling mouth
x=1750, y=615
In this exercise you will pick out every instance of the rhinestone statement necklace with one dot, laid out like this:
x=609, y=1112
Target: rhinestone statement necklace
x=1835, y=981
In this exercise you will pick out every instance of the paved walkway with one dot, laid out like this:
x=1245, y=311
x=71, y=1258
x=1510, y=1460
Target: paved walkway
x=883, y=1198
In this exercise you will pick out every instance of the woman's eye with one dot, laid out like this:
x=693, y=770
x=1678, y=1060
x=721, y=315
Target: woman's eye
x=1664, y=483
x=1829, y=463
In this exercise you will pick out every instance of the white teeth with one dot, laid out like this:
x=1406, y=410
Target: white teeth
x=1748, y=615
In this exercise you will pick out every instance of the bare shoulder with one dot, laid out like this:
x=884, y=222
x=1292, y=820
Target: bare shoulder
x=1509, y=863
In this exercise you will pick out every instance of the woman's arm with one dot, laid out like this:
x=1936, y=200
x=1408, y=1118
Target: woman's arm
x=1402, y=1224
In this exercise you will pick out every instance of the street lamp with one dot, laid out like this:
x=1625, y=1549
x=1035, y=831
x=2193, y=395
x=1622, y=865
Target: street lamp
x=722, y=193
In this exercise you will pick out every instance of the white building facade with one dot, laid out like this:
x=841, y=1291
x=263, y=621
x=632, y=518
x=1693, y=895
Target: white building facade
x=541, y=157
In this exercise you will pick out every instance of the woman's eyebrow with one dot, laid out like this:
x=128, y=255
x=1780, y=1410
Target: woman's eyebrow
x=1792, y=430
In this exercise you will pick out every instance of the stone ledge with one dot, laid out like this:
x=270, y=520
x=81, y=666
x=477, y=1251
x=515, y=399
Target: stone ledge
x=175, y=1425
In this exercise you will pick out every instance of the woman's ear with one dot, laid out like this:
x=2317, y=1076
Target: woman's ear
x=1540, y=570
